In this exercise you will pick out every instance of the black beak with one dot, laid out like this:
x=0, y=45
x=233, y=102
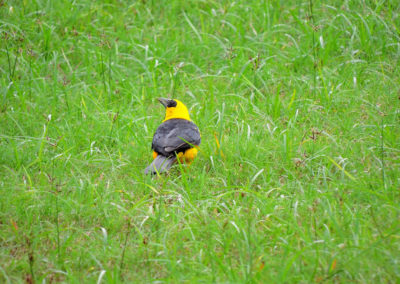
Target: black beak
x=164, y=101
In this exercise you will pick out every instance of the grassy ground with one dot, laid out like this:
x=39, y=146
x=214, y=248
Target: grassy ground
x=298, y=175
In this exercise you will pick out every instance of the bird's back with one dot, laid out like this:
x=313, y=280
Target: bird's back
x=174, y=136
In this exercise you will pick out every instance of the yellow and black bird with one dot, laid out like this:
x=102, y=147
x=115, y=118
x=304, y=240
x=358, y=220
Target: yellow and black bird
x=176, y=138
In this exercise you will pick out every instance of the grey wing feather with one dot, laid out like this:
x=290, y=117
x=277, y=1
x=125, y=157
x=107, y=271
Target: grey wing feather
x=173, y=136
x=179, y=138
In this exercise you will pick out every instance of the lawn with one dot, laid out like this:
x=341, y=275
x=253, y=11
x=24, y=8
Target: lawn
x=298, y=174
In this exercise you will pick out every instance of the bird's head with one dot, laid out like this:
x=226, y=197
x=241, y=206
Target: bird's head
x=174, y=109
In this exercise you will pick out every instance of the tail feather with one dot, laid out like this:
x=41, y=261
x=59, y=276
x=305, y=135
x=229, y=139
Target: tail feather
x=160, y=164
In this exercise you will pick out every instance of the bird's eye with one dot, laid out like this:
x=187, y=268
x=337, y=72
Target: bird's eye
x=172, y=103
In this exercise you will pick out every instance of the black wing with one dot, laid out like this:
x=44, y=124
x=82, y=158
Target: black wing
x=174, y=136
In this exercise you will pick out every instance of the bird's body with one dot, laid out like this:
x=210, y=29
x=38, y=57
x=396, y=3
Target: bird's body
x=176, y=138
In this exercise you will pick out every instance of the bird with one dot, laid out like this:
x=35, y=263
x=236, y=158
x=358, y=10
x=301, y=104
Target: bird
x=177, y=137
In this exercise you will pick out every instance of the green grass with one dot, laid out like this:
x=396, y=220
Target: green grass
x=298, y=175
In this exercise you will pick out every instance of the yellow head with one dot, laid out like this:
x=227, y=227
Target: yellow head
x=174, y=109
